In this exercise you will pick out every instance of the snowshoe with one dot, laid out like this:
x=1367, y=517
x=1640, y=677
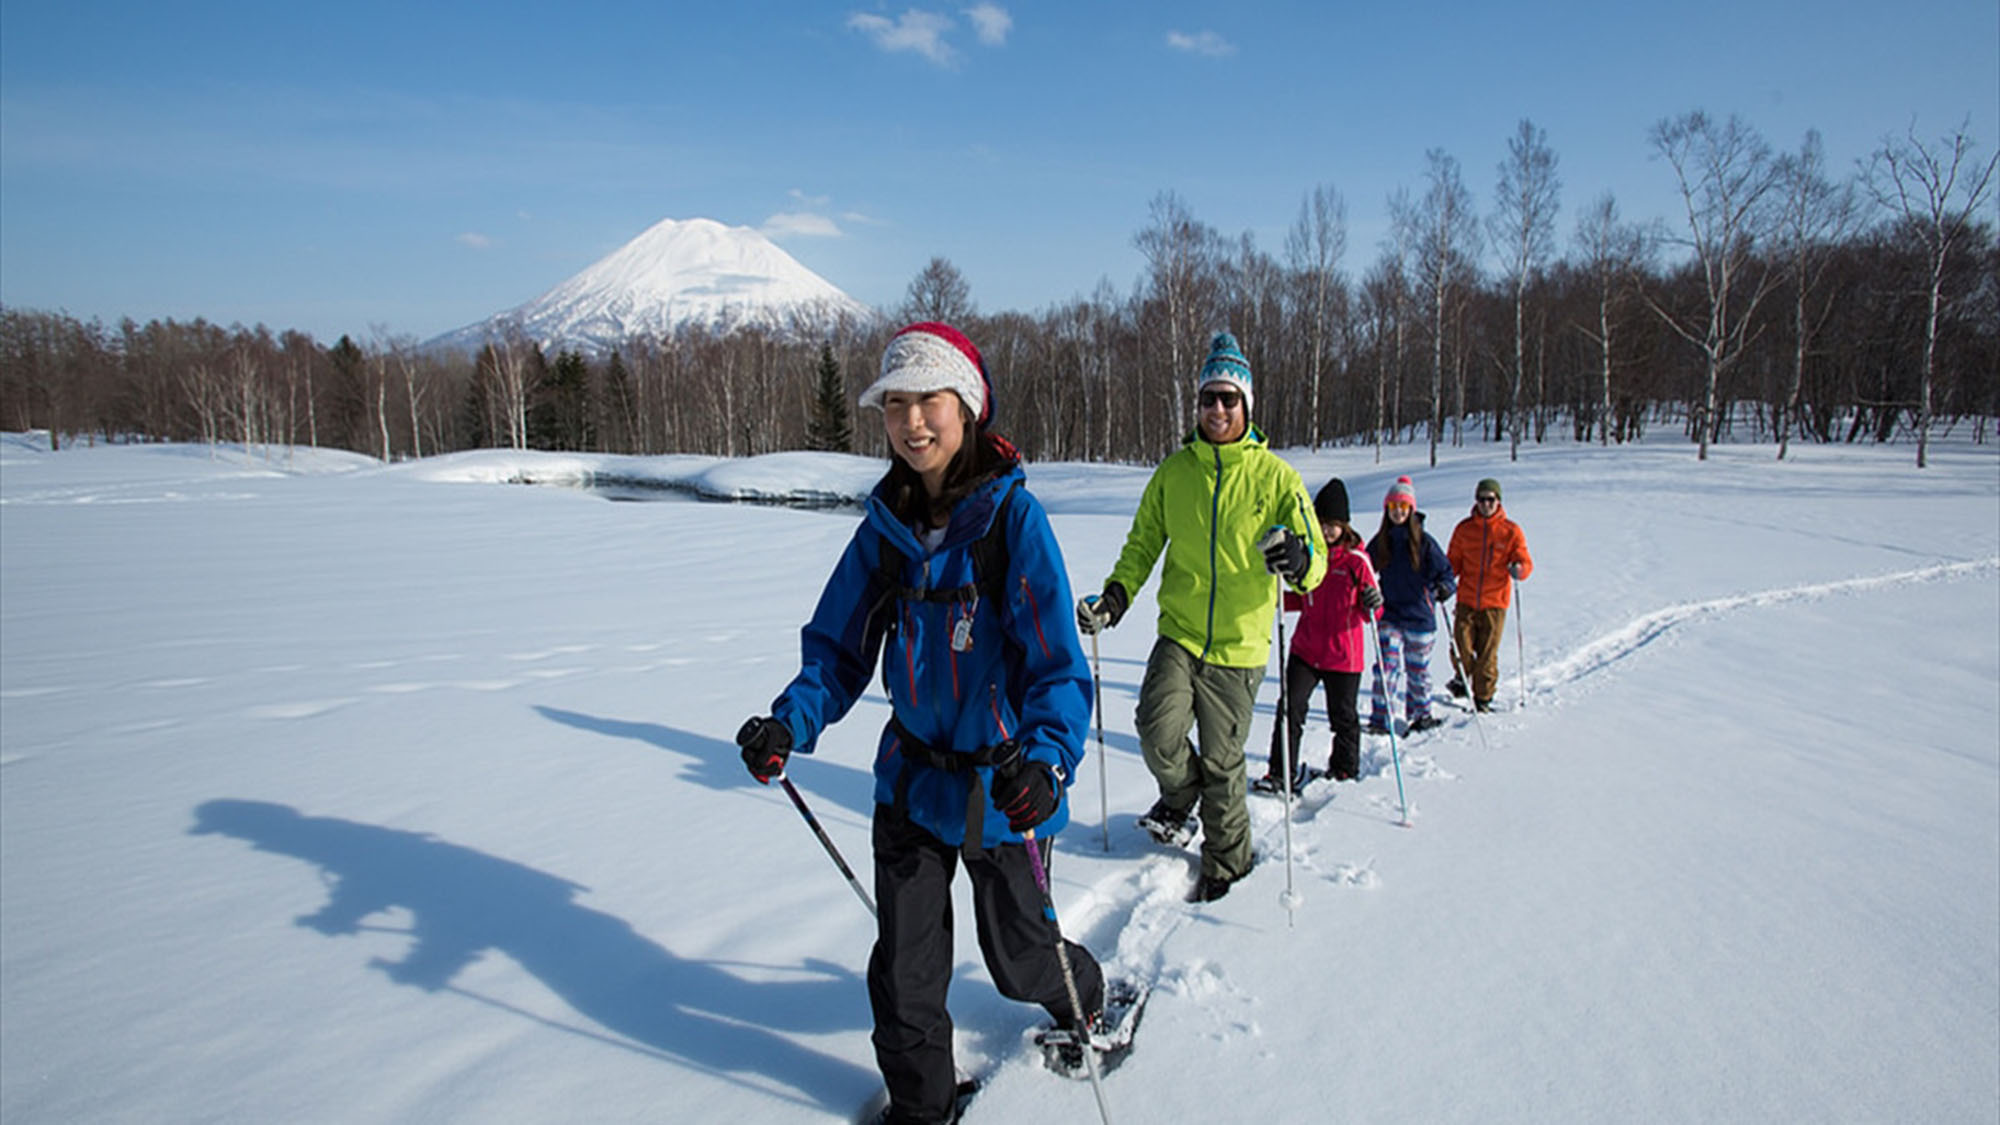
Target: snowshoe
x=1375, y=728
x=1110, y=1033
x=1168, y=825
x=1424, y=723
x=1273, y=785
x=878, y=1111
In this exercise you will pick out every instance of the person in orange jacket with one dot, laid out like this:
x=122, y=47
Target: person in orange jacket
x=1488, y=553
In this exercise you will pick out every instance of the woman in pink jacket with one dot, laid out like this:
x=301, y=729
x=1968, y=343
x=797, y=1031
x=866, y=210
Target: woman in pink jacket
x=1329, y=649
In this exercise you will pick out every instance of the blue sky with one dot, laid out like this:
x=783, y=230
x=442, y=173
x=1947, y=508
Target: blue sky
x=408, y=168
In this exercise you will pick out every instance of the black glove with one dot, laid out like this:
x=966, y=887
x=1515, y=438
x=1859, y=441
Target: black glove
x=1284, y=553
x=1371, y=597
x=1026, y=791
x=1102, y=611
x=1442, y=593
x=766, y=744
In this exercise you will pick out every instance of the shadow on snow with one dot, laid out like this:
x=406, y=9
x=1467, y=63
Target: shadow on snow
x=464, y=903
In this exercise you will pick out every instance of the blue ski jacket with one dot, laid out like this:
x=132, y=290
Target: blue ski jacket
x=963, y=674
x=1410, y=596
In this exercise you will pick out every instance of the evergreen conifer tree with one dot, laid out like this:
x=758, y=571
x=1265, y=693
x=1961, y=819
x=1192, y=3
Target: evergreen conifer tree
x=828, y=430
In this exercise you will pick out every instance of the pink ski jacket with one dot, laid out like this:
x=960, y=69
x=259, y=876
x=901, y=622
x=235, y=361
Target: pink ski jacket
x=1330, y=636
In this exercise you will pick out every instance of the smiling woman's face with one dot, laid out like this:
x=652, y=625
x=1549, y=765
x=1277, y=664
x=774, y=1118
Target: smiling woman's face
x=926, y=429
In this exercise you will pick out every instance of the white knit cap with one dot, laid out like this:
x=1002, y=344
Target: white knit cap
x=933, y=357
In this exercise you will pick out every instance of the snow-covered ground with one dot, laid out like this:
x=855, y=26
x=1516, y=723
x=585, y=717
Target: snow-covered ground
x=334, y=792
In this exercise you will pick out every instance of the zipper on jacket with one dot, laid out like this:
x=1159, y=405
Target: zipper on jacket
x=1214, y=535
x=1035, y=614
x=993, y=701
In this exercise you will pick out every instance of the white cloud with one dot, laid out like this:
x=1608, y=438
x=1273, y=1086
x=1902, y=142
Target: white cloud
x=1201, y=43
x=991, y=22
x=799, y=224
x=475, y=240
x=919, y=31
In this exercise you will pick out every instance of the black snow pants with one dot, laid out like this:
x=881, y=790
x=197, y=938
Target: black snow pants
x=912, y=964
x=1342, y=715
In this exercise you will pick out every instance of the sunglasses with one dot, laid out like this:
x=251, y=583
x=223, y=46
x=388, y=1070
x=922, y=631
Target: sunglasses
x=1228, y=399
x=1485, y=499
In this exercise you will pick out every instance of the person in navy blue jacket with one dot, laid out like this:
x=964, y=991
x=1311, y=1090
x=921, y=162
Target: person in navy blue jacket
x=1416, y=576
x=955, y=584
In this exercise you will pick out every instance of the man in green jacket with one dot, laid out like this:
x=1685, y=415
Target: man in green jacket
x=1229, y=514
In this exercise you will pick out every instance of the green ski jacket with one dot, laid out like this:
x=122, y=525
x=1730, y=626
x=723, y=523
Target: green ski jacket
x=1206, y=506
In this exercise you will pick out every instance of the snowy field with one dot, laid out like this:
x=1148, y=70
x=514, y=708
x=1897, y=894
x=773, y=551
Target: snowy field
x=334, y=792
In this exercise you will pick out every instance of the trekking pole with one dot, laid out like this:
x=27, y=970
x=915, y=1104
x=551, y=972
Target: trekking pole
x=1520, y=643
x=1394, y=754
x=1464, y=669
x=1103, y=786
x=826, y=842
x=1287, y=759
x=1069, y=977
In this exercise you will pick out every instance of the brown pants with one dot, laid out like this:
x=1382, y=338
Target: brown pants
x=1476, y=649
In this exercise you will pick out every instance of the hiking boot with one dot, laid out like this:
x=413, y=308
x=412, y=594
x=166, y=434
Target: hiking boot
x=1375, y=728
x=1482, y=705
x=967, y=1087
x=1456, y=687
x=1167, y=824
x=1063, y=1046
x=1274, y=784
x=1424, y=723
x=1208, y=888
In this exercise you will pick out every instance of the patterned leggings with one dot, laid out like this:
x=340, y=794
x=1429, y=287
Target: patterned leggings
x=1406, y=655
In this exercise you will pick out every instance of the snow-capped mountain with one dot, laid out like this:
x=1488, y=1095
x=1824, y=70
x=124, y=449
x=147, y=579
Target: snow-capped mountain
x=679, y=271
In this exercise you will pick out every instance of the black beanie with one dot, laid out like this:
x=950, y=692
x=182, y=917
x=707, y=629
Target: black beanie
x=1331, y=503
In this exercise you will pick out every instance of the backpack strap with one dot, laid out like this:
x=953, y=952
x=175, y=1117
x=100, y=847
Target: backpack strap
x=917, y=752
x=989, y=565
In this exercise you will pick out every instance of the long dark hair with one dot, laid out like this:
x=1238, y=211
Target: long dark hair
x=979, y=458
x=1378, y=547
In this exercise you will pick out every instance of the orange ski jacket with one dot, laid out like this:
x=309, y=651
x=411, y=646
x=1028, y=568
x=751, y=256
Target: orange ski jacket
x=1482, y=547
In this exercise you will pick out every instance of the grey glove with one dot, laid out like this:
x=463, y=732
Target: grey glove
x=1101, y=611
x=1284, y=553
x=1371, y=597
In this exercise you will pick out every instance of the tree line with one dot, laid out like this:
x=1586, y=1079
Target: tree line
x=1788, y=300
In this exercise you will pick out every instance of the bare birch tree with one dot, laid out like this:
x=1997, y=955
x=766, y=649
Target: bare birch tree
x=939, y=292
x=1726, y=177
x=1935, y=188
x=1446, y=245
x=1313, y=248
x=1180, y=257
x=1815, y=216
x=1611, y=253
x=513, y=374
x=1523, y=225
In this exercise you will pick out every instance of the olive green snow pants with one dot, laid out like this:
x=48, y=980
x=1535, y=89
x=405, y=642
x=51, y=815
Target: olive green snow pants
x=1477, y=632
x=1182, y=694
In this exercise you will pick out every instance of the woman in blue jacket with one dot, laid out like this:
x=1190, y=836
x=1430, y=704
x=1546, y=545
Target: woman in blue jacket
x=955, y=584
x=1416, y=576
